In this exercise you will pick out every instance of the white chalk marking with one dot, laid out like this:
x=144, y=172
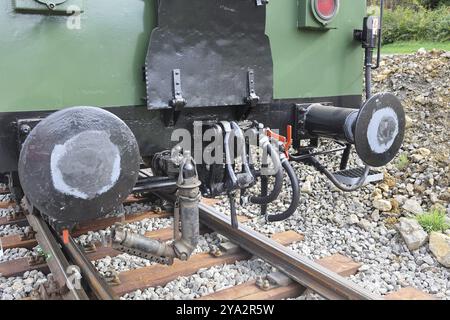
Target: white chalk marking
x=59, y=151
x=378, y=117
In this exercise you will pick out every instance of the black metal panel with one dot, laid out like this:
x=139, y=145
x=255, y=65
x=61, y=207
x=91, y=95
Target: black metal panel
x=214, y=43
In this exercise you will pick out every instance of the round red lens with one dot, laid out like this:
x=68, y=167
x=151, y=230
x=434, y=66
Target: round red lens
x=326, y=8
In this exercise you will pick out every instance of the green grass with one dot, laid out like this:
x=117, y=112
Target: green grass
x=402, y=161
x=413, y=46
x=373, y=11
x=433, y=221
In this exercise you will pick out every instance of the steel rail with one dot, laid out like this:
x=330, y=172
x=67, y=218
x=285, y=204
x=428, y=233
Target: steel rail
x=58, y=263
x=96, y=283
x=56, y=260
x=300, y=269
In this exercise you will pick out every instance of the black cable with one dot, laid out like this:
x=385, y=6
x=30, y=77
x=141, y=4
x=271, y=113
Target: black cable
x=368, y=73
x=233, y=213
x=264, y=184
x=278, y=185
x=380, y=36
x=295, y=194
x=345, y=157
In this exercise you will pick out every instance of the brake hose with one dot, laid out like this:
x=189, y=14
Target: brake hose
x=295, y=194
x=278, y=185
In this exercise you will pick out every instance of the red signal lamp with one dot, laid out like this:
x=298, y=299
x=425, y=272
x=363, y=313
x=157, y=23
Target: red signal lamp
x=325, y=10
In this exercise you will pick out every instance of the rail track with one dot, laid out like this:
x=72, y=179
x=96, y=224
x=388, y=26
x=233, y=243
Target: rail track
x=67, y=261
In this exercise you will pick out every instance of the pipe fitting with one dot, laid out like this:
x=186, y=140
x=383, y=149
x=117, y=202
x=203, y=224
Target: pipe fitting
x=127, y=239
x=186, y=215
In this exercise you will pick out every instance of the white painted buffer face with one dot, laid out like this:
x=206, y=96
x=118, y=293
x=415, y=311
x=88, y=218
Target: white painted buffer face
x=85, y=166
x=382, y=130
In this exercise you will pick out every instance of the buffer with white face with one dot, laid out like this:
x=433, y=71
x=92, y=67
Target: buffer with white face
x=376, y=129
x=79, y=164
x=379, y=129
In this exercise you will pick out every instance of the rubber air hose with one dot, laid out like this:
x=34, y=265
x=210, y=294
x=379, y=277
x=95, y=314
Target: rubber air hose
x=295, y=194
x=278, y=185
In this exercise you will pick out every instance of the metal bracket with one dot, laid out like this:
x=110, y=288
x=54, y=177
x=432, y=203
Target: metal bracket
x=262, y=2
x=50, y=290
x=263, y=284
x=36, y=260
x=279, y=279
x=14, y=215
x=89, y=248
x=272, y=281
x=53, y=7
x=28, y=234
x=227, y=247
x=252, y=99
x=178, y=102
x=51, y=4
x=112, y=278
x=24, y=127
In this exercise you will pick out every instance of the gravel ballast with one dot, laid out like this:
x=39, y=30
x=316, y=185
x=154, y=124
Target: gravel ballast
x=204, y=282
x=15, y=288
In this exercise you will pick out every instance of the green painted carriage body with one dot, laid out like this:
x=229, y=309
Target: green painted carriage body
x=46, y=65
